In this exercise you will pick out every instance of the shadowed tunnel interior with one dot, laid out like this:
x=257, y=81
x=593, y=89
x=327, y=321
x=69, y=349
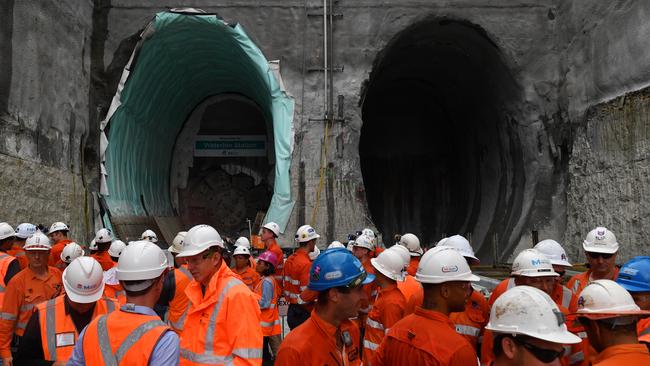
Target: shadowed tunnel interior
x=439, y=149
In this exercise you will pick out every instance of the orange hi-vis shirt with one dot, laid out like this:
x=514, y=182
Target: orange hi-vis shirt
x=222, y=326
x=279, y=271
x=562, y=295
x=296, y=277
x=425, y=337
x=413, y=266
x=314, y=342
x=134, y=335
x=58, y=332
x=623, y=355
x=387, y=310
x=413, y=293
x=502, y=287
x=249, y=276
x=5, y=261
x=18, y=252
x=104, y=260
x=270, y=317
x=55, y=254
x=643, y=330
x=179, y=304
x=115, y=292
x=24, y=292
x=471, y=322
x=578, y=282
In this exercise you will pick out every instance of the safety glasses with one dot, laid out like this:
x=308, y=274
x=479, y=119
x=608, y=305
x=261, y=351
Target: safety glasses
x=595, y=255
x=542, y=354
x=357, y=280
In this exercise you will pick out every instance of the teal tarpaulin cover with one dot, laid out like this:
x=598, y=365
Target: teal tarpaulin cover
x=181, y=60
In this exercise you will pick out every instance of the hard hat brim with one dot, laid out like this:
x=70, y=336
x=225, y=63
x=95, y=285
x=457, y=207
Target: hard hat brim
x=417, y=253
x=369, y=278
x=537, y=274
x=632, y=287
x=608, y=315
x=36, y=248
x=467, y=277
x=385, y=271
x=83, y=299
x=190, y=253
x=595, y=249
x=172, y=250
x=561, y=263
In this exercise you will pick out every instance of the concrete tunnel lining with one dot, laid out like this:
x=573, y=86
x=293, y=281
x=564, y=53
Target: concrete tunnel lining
x=181, y=60
x=439, y=150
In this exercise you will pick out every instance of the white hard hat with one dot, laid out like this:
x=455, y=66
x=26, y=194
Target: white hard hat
x=83, y=280
x=335, y=244
x=177, y=243
x=199, y=239
x=141, y=260
x=275, y=228
x=25, y=230
x=243, y=241
x=149, y=235
x=461, y=244
x=71, y=251
x=532, y=263
x=6, y=231
x=607, y=299
x=241, y=250
x=116, y=248
x=314, y=253
x=350, y=246
x=390, y=264
x=364, y=241
x=442, y=264
x=38, y=241
x=554, y=251
x=412, y=243
x=528, y=311
x=103, y=236
x=306, y=233
x=58, y=226
x=369, y=233
x=403, y=252
x=93, y=245
x=600, y=240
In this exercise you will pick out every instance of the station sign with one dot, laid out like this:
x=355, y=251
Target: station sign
x=229, y=145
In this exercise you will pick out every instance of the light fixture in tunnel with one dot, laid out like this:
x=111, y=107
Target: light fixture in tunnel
x=439, y=151
x=182, y=59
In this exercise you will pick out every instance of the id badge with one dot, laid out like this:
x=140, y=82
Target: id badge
x=65, y=339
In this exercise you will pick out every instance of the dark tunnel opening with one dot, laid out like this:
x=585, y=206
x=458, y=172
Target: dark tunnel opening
x=439, y=148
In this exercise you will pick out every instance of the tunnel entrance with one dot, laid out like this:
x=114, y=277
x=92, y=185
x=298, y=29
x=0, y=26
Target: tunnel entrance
x=227, y=177
x=439, y=149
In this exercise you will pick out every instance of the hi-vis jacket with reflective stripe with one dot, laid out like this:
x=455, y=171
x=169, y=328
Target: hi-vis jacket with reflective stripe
x=24, y=291
x=115, y=292
x=270, y=317
x=643, y=330
x=387, y=310
x=122, y=338
x=18, y=252
x=470, y=323
x=222, y=326
x=179, y=304
x=279, y=271
x=296, y=276
x=5, y=261
x=58, y=332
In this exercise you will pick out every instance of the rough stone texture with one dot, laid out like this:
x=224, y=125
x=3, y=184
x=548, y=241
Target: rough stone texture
x=565, y=56
x=610, y=175
x=44, y=111
x=32, y=192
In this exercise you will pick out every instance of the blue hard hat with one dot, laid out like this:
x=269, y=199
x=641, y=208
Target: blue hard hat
x=634, y=276
x=337, y=267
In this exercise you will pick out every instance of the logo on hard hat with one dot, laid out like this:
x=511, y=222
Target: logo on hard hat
x=600, y=234
x=630, y=271
x=539, y=261
x=581, y=302
x=333, y=275
x=563, y=256
x=316, y=273
x=448, y=269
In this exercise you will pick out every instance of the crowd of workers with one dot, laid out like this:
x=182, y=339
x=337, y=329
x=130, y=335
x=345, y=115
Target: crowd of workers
x=196, y=303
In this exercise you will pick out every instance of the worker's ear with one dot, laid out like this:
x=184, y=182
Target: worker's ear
x=509, y=347
x=445, y=290
x=333, y=295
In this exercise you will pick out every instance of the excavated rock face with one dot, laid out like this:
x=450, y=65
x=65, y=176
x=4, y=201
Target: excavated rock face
x=440, y=148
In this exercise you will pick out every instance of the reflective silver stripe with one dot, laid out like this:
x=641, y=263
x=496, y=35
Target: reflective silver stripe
x=248, y=353
x=26, y=307
x=374, y=324
x=104, y=343
x=303, y=288
x=582, y=335
x=511, y=283
x=205, y=358
x=576, y=286
x=576, y=357
x=566, y=297
x=135, y=336
x=50, y=328
x=21, y=325
x=110, y=307
x=2, y=289
x=270, y=324
x=180, y=323
x=209, y=334
x=645, y=332
x=7, y=316
x=371, y=346
x=467, y=330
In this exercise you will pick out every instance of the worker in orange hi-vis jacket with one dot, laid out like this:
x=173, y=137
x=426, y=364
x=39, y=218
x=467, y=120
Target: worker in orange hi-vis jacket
x=412, y=243
x=23, y=231
x=35, y=284
x=243, y=267
x=600, y=247
x=58, y=235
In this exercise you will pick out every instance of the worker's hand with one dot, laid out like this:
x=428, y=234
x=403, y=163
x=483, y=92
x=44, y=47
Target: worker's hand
x=9, y=361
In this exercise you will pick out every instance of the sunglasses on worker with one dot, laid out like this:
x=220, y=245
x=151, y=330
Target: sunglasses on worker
x=542, y=354
x=595, y=255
